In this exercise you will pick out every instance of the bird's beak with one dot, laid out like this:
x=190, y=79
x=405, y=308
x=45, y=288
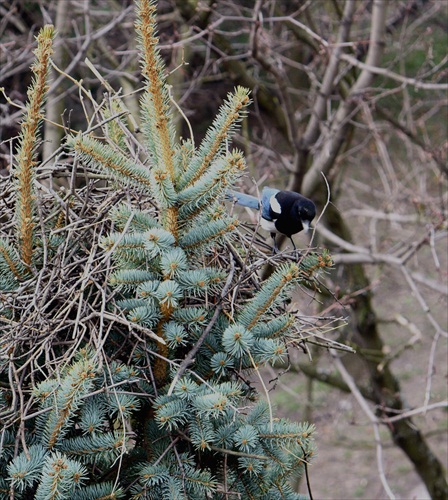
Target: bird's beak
x=306, y=226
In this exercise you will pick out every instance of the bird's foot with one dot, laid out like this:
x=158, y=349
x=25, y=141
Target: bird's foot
x=275, y=249
x=298, y=255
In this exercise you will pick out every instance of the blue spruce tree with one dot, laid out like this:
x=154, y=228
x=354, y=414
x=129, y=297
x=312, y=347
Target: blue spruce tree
x=173, y=413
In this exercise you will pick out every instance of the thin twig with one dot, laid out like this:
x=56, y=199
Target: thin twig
x=348, y=379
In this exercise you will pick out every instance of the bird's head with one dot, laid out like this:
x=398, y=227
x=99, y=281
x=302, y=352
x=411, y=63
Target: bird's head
x=307, y=211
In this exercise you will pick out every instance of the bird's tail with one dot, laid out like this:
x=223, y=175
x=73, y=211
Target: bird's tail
x=245, y=200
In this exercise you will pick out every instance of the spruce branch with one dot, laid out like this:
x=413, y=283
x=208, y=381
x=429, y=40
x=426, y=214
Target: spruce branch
x=159, y=134
x=230, y=114
x=100, y=156
x=11, y=268
x=101, y=491
x=156, y=118
x=210, y=187
x=26, y=154
x=201, y=238
x=24, y=470
x=103, y=448
x=60, y=477
x=140, y=221
x=78, y=382
x=271, y=292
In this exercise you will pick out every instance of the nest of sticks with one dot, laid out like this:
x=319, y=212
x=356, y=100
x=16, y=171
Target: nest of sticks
x=66, y=303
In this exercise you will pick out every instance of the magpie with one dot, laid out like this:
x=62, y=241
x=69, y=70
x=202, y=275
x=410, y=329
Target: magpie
x=284, y=212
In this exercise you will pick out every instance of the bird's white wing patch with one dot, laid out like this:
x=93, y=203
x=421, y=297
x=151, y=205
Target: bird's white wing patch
x=275, y=205
x=268, y=225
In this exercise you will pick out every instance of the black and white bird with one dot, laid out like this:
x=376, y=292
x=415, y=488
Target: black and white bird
x=284, y=212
